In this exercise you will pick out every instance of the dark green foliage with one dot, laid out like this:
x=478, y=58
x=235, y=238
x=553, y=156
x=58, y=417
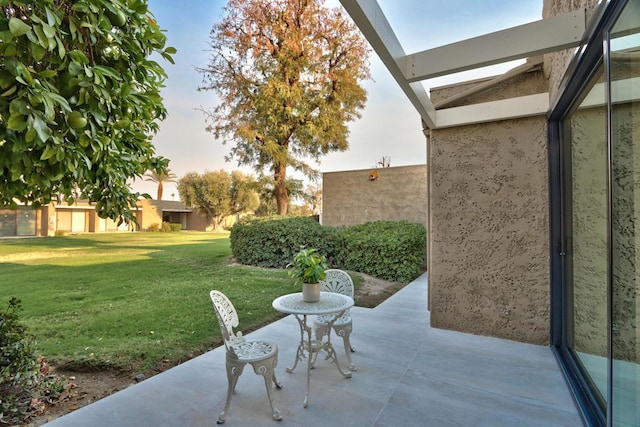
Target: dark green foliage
x=80, y=101
x=25, y=379
x=273, y=242
x=18, y=365
x=390, y=250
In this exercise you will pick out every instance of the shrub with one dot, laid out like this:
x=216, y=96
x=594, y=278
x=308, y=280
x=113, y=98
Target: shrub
x=390, y=250
x=26, y=381
x=165, y=227
x=18, y=365
x=274, y=241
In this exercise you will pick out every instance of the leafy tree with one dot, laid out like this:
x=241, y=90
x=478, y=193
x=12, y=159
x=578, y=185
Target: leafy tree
x=288, y=76
x=265, y=186
x=242, y=193
x=160, y=177
x=79, y=101
x=218, y=194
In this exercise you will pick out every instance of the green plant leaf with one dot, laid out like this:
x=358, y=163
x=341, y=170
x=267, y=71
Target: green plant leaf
x=18, y=27
x=41, y=128
x=17, y=122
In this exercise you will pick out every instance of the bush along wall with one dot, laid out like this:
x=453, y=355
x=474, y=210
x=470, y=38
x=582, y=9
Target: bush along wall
x=274, y=241
x=390, y=250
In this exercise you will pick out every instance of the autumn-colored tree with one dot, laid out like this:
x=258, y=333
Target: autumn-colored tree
x=160, y=177
x=218, y=194
x=80, y=99
x=288, y=74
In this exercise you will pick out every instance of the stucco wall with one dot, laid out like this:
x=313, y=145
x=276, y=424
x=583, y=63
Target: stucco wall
x=489, y=268
x=399, y=193
x=489, y=233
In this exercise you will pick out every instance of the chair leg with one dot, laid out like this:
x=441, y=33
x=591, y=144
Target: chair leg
x=345, y=333
x=277, y=383
x=234, y=370
x=266, y=368
x=348, y=349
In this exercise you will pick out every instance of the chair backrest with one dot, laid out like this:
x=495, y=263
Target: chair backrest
x=227, y=318
x=337, y=281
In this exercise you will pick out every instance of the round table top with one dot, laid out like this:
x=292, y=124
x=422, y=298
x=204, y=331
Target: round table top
x=329, y=302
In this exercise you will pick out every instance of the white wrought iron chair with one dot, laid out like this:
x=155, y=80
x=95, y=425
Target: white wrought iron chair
x=262, y=355
x=340, y=282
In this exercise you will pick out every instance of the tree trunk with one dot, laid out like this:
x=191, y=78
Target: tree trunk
x=282, y=196
x=160, y=191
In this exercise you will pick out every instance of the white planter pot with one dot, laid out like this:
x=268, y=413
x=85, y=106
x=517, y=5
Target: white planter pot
x=311, y=292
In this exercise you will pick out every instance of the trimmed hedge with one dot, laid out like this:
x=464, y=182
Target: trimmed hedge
x=274, y=241
x=390, y=250
x=166, y=227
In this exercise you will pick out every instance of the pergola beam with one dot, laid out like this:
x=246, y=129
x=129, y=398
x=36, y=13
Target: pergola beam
x=374, y=26
x=536, y=38
x=522, y=106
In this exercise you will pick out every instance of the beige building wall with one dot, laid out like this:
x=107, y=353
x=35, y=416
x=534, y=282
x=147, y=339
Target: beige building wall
x=398, y=193
x=489, y=232
x=489, y=202
x=151, y=213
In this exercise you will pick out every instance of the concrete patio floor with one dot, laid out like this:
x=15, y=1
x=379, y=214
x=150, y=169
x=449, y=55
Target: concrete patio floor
x=408, y=374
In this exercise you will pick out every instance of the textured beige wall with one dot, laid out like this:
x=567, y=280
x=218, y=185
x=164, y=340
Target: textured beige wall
x=399, y=193
x=489, y=267
x=489, y=234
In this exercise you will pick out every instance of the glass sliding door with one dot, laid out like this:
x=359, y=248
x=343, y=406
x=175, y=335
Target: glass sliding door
x=587, y=225
x=624, y=76
x=595, y=220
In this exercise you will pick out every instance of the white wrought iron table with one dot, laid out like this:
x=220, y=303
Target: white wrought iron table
x=329, y=303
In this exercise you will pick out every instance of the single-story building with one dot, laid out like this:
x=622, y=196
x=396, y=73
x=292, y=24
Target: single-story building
x=81, y=217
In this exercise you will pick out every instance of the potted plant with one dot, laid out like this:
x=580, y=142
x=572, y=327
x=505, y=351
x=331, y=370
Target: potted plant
x=308, y=267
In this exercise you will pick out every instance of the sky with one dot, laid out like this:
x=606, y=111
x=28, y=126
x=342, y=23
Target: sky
x=389, y=125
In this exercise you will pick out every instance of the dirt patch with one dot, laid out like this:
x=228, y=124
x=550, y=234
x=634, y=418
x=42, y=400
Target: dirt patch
x=85, y=388
x=88, y=387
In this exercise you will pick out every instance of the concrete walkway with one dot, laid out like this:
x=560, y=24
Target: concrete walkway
x=409, y=374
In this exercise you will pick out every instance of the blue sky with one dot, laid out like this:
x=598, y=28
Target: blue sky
x=389, y=125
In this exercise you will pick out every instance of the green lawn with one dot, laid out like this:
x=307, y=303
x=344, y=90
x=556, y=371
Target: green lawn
x=131, y=301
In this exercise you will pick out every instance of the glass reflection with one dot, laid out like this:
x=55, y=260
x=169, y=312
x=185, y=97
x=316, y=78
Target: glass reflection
x=625, y=239
x=588, y=128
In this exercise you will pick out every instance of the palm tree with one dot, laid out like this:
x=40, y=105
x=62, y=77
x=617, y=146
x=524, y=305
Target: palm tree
x=160, y=178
